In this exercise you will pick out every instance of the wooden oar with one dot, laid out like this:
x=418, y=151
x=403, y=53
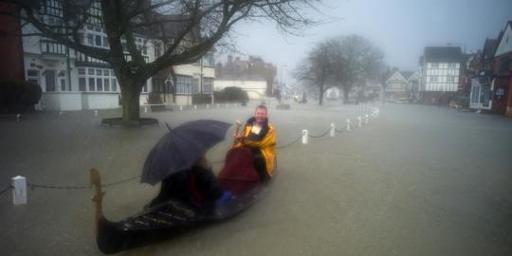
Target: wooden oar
x=95, y=180
x=237, y=131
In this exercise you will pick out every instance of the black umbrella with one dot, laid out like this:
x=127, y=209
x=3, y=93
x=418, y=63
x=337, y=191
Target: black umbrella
x=181, y=148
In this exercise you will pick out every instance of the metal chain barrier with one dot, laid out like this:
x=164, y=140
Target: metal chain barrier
x=5, y=189
x=82, y=187
x=289, y=144
x=321, y=135
x=34, y=186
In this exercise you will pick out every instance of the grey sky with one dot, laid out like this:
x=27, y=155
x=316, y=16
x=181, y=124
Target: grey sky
x=401, y=28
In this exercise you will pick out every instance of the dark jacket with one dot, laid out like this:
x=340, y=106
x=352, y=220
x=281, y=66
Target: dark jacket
x=196, y=186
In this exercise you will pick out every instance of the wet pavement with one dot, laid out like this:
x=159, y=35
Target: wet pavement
x=418, y=180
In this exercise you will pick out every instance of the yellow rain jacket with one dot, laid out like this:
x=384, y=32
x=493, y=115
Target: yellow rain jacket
x=267, y=145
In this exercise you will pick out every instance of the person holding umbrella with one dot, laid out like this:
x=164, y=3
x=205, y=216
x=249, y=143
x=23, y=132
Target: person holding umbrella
x=196, y=186
x=178, y=161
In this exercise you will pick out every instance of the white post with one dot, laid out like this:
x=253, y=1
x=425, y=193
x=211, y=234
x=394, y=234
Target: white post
x=333, y=130
x=348, y=125
x=95, y=112
x=145, y=109
x=305, y=136
x=359, y=121
x=18, y=118
x=19, y=192
x=366, y=118
x=181, y=107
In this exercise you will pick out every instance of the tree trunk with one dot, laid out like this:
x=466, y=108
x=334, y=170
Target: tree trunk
x=345, y=95
x=130, y=94
x=321, y=96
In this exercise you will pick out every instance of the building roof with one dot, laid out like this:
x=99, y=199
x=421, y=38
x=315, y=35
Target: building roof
x=443, y=54
x=490, y=46
x=406, y=74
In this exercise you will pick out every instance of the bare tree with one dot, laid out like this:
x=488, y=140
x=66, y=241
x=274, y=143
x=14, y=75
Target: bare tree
x=187, y=28
x=358, y=60
x=316, y=70
x=345, y=62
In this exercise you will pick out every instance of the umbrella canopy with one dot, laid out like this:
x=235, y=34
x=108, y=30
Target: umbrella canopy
x=181, y=147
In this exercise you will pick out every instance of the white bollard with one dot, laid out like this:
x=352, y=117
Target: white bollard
x=348, y=125
x=18, y=118
x=181, y=108
x=145, y=109
x=95, y=112
x=19, y=192
x=359, y=121
x=333, y=130
x=305, y=136
x=366, y=118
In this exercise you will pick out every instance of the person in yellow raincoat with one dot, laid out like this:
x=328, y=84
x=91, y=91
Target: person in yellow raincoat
x=260, y=137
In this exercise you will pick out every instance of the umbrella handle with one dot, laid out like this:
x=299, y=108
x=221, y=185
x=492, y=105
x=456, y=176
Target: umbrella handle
x=237, y=131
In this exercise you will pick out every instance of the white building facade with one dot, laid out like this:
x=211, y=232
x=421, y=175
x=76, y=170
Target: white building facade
x=255, y=88
x=441, y=69
x=70, y=80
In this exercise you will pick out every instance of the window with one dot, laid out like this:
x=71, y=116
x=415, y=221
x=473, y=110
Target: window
x=158, y=50
x=98, y=40
x=54, y=8
x=92, y=86
x=114, y=84
x=183, y=84
x=33, y=72
x=81, y=84
x=107, y=84
x=90, y=39
x=207, y=85
x=99, y=84
x=62, y=84
x=97, y=80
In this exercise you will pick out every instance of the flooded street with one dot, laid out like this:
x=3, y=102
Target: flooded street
x=418, y=180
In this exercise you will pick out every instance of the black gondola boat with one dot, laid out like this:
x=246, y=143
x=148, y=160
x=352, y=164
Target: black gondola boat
x=167, y=219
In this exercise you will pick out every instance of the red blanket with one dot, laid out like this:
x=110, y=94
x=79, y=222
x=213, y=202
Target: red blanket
x=239, y=175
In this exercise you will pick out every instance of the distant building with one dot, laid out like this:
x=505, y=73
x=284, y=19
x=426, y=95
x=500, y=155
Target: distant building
x=256, y=89
x=397, y=86
x=11, y=50
x=480, y=70
x=502, y=73
x=402, y=86
x=440, y=74
x=71, y=80
x=253, y=69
